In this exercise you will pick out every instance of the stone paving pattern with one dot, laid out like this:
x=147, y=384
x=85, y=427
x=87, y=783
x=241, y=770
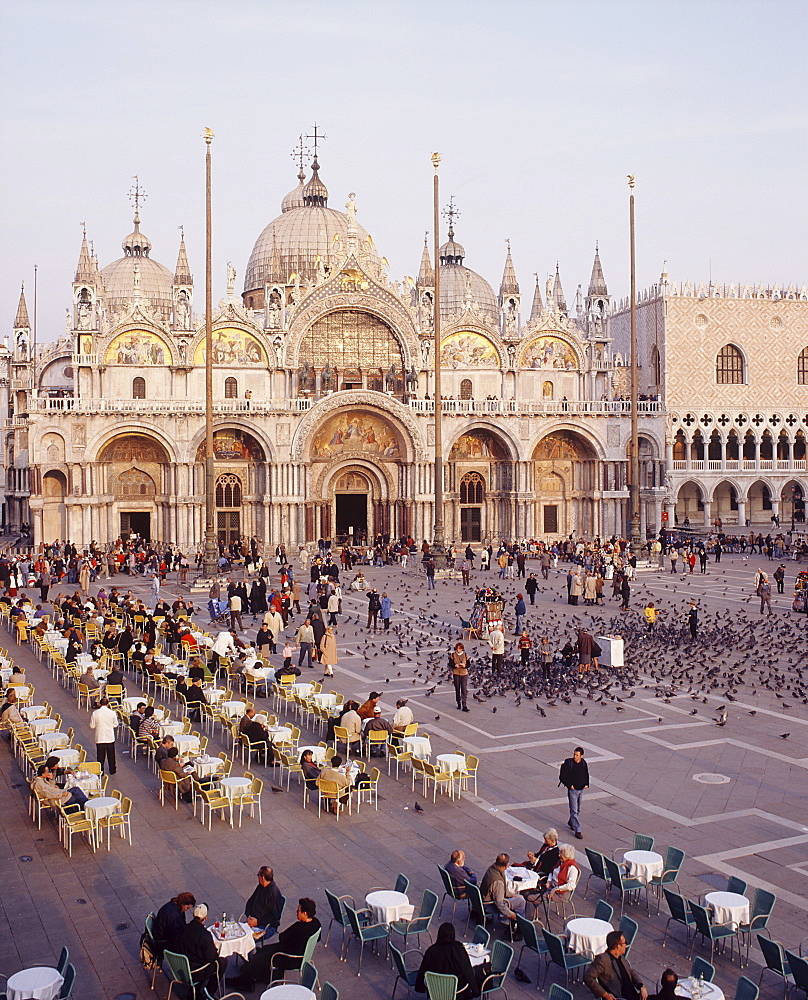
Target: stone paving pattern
x=755, y=825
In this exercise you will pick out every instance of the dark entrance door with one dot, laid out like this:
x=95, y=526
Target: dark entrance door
x=228, y=526
x=550, y=519
x=470, y=521
x=138, y=521
x=352, y=513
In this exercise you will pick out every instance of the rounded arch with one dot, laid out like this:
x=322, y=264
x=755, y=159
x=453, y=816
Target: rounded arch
x=759, y=496
x=133, y=447
x=54, y=511
x=400, y=416
x=552, y=350
x=481, y=441
x=564, y=445
x=381, y=485
x=52, y=448
x=351, y=338
x=54, y=485
x=230, y=443
x=235, y=345
x=472, y=488
x=727, y=482
x=99, y=444
x=730, y=366
x=562, y=426
x=360, y=432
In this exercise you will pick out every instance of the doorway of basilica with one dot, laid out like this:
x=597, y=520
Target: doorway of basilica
x=352, y=495
x=136, y=522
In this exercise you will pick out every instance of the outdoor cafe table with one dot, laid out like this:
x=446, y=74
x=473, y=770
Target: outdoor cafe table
x=318, y=754
x=643, y=864
x=85, y=780
x=728, y=907
x=66, y=757
x=233, y=787
x=418, y=746
x=587, y=936
x=30, y=712
x=238, y=939
x=288, y=991
x=53, y=741
x=205, y=766
x=98, y=809
x=42, y=725
x=170, y=729
x=214, y=695
x=477, y=953
x=691, y=989
x=37, y=983
x=279, y=734
x=233, y=709
x=388, y=905
x=303, y=688
x=130, y=704
x=186, y=743
x=325, y=699
x=529, y=879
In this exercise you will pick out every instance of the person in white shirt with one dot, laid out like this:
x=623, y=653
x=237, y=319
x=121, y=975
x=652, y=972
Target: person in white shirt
x=496, y=638
x=224, y=645
x=235, y=612
x=403, y=716
x=103, y=722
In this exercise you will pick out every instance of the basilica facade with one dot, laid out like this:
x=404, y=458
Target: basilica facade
x=323, y=398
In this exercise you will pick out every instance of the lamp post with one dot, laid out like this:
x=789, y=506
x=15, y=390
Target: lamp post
x=438, y=543
x=210, y=559
x=634, y=488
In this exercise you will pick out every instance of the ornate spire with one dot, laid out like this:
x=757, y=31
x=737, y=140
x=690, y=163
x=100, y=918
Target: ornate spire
x=426, y=277
x=315, y=193
x=558, y=294
x=509, y=286
x=137, y=244
x=21, y=321
x=86, y=268
x=597, y=283
x=535, y=309
x=182, y=272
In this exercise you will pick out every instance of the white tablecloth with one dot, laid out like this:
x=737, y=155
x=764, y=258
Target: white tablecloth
x=302, y=688
x=170, y=729
x=186, y=743
x=388, y=905
x=206, y=765
x=214, y=695
x=477, y=953
x=709, y=991
x=66, y=757
x=130, y=704
x=728, y=907
x=233, y=709
x=38, y=983
x=279, y=734
x=31, y=711
x=53, y=741
x=288, y=991
x=587, y=936
x=643, y=864
x=86, y=782
x=530, y=879
x=454, y=762
x=240, y=940
x=39, y=726
x=232, y=787
x=325, y=699
x=100, y=808
x=318, y=754
x=418, y=746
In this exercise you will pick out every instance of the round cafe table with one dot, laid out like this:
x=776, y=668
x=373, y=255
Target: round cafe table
x=232, y=709
x=302, y=688
x=37, y=983
x=53, y=741
x=587, y=936
x=388, y=905
x=418, y=746
x=215, y=695
x=101, y=807
x=318, y=754
x=477, y=953
x=170, y=729
x=239, y=940
x=86, y=781
x=529, y=879
x=67, y=756
x=205, y=766
x=279, y=734
x=29, y=712
x=288, y=991
x=186, y=743
x=325, y=699
x=690, y=987
x=232, y=787
x=130, y=704
x=728, y=907
x=643, y=864
x=39, y=726
x=454, y=762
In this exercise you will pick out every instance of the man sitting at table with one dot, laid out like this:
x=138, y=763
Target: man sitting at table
x=460, y=873
x=256, y=733
x=115, y=677
x=340, y=778
x=9, y=712
x=196, y=943
x=45, y=786
x=136, y=718
x=161, y=754
x=352, y=721
x=172, y=763
x=264, y=908
x=311, y=770
x=89, y=678
x=610, y=975
x=377, y=725
x=291, y=942
x=667, y=989
x=366, y=709
x=494, y=889
x=194, y=697
x=168, y=925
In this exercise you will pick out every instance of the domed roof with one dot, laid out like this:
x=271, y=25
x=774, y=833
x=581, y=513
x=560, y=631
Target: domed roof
x=305, y=230
x=137, y=276
x=460, y=285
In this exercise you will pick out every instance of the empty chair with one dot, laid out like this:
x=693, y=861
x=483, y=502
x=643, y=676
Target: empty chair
x=403, y=975
x=708, y=931
x=628, y=928
x=531, y=941
x=328, y=992
x=761, y=910
x=623, y=883
x=598, y=865
x=775, y=961
x=557, y=954
x=735, y=884
x=440, y=986
x=338, y=914
x=746, y=989
x=363, y=933
x=558, y=993
x=680, y=913
x=604, y=911
x=64, y=955
x=672, y=865
x=702, y=969
x=501, y=958
x=308, y=976
x=419, y=924
x=799, y=971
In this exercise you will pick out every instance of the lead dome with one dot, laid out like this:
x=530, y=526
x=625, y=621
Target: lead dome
x=137, y=276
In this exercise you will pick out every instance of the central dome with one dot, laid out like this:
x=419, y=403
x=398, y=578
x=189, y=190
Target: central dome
x=306, y=233
x=136, y=276
x=460, y=287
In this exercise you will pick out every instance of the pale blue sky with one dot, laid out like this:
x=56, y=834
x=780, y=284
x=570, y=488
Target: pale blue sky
x=539, y=109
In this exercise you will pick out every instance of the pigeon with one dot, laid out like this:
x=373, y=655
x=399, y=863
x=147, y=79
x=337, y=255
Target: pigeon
x=418, y=808
x=784, y=736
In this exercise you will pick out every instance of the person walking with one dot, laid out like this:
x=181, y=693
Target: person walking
x=531, y=586
x=625, y=593
x=520, y=610
x=496, y=639
x=155, y=588
x=764, y=592
x=459, y=661
x=574, y=775
x=779, y=576
x=430, y=574
x=328, y=652
x=103, y=722
x=84, y=578
x=305, y=643
x=386, y=611
x=235, y=612
x=693, y=620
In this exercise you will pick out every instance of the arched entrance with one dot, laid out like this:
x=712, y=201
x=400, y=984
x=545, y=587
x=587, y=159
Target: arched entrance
x=690, y=505
x=241, y=482
x=565, y=478
x=54, y=490
x=353, y=497
x=481, y=479
x=135, y=467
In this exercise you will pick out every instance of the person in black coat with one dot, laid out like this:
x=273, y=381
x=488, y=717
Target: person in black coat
x=196, y=943
x=449, y=957
x=291, y=942
x=169, y=922
x=264, y=908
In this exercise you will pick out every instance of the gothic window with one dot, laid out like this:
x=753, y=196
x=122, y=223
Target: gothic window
x=802, y=367
x=465, y=389
x=228, y=491
x=138, y=388
x=472, y=488
x=230, y=388
x=729, y=366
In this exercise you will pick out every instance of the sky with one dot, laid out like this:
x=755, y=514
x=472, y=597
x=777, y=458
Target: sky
x=539, y=109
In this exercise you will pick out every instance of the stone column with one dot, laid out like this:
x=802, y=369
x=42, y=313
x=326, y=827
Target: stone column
x=707, y=506
x=742, y=513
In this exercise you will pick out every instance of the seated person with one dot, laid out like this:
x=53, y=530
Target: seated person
x=194, y=697
x=89, y=678
x=115, y=677
x=311, y=771
x=610, y=976
x=365, y=710
x=377, y=725
x=334, y=773
x=460, y=873
x=161, y=754
x=17, y=676
x=291, y=943
x=168, y=925
x=137, y=717
x=9, y=710
x=546, y=859
x=667, y=989
x=352, y=721
x=172, y=763
x=256, y=733
x=448, y=957
x=44, y=785
x=494, y=889
x=265, y=907
x=61, y=774
x=196, y=943
x=563, y=879
x=196, y=670
x=150, y=726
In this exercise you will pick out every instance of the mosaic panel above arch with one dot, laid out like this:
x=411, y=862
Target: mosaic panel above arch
x=355, y=432
x=133, y=448
x=140, y=348
x=478, y=444
x=466, y=349
x=233, y=445
x=232, y=347
x=549, y=352
x=562, y=445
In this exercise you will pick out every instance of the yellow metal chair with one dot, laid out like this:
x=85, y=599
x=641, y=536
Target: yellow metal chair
x=169, y=780
x=215, y=802
x=329, y=791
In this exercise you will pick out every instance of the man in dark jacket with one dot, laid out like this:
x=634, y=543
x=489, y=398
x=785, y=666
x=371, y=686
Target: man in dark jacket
x=196, y=943
x=610, y=976
x=574, y=775
x=291, y=942
x=169, y=923
x=264, y=908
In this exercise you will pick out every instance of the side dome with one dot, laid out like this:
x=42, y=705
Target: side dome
x=461, y=287
x=135, y=276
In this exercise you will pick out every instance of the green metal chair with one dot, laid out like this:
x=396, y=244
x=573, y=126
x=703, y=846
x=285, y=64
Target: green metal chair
x=64, y=956
x=799, y=971
x=305, y=958
x=531, y=941
x=762, y=906
x=308, y=976
x=501, y=958
x=338, y=914
x=558, y=993
x=623, y=883
x=364, y=932
x=180, y=969
x=481, y=936
x=69, y=982
x=597, y=862
x=709, y=931
x=450, y=890
x=557, y=954
x=702, y=969
x=328, y=992
x=403, y=975
x=418, y=925
x=156, y=965
x=679, y=911
x=737, y=885
x=440, y=986
x=672, y=865
x=775, y=961
x=604, y=911
x=477, y=906
x=628, y=928
x=746, y=989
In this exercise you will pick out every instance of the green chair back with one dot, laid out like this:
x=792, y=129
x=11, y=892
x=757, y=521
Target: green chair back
x=69, y=981
x=701, y=967
x=308, y=976
x=329, y=992
x=746, y=989
x=440, y=986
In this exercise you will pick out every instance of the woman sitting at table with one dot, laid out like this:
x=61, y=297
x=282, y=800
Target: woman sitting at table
x=45, y=786
x=171, y=763
x=546, y=859
x=311, y=771
x=9, y=713
x=17, y=676
x=60, y=772
x=448, y=957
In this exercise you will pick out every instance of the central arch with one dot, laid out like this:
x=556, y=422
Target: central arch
x=481, y=481
x=565, y=477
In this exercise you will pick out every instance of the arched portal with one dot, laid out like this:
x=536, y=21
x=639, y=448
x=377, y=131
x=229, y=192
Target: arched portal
x=564, y=469
x=242, y=480
x=54, y=490
x=792, y=502
x=725, y=503
x=690, y=504
x=353, y=498
x=481, y=479
x=134, y=472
